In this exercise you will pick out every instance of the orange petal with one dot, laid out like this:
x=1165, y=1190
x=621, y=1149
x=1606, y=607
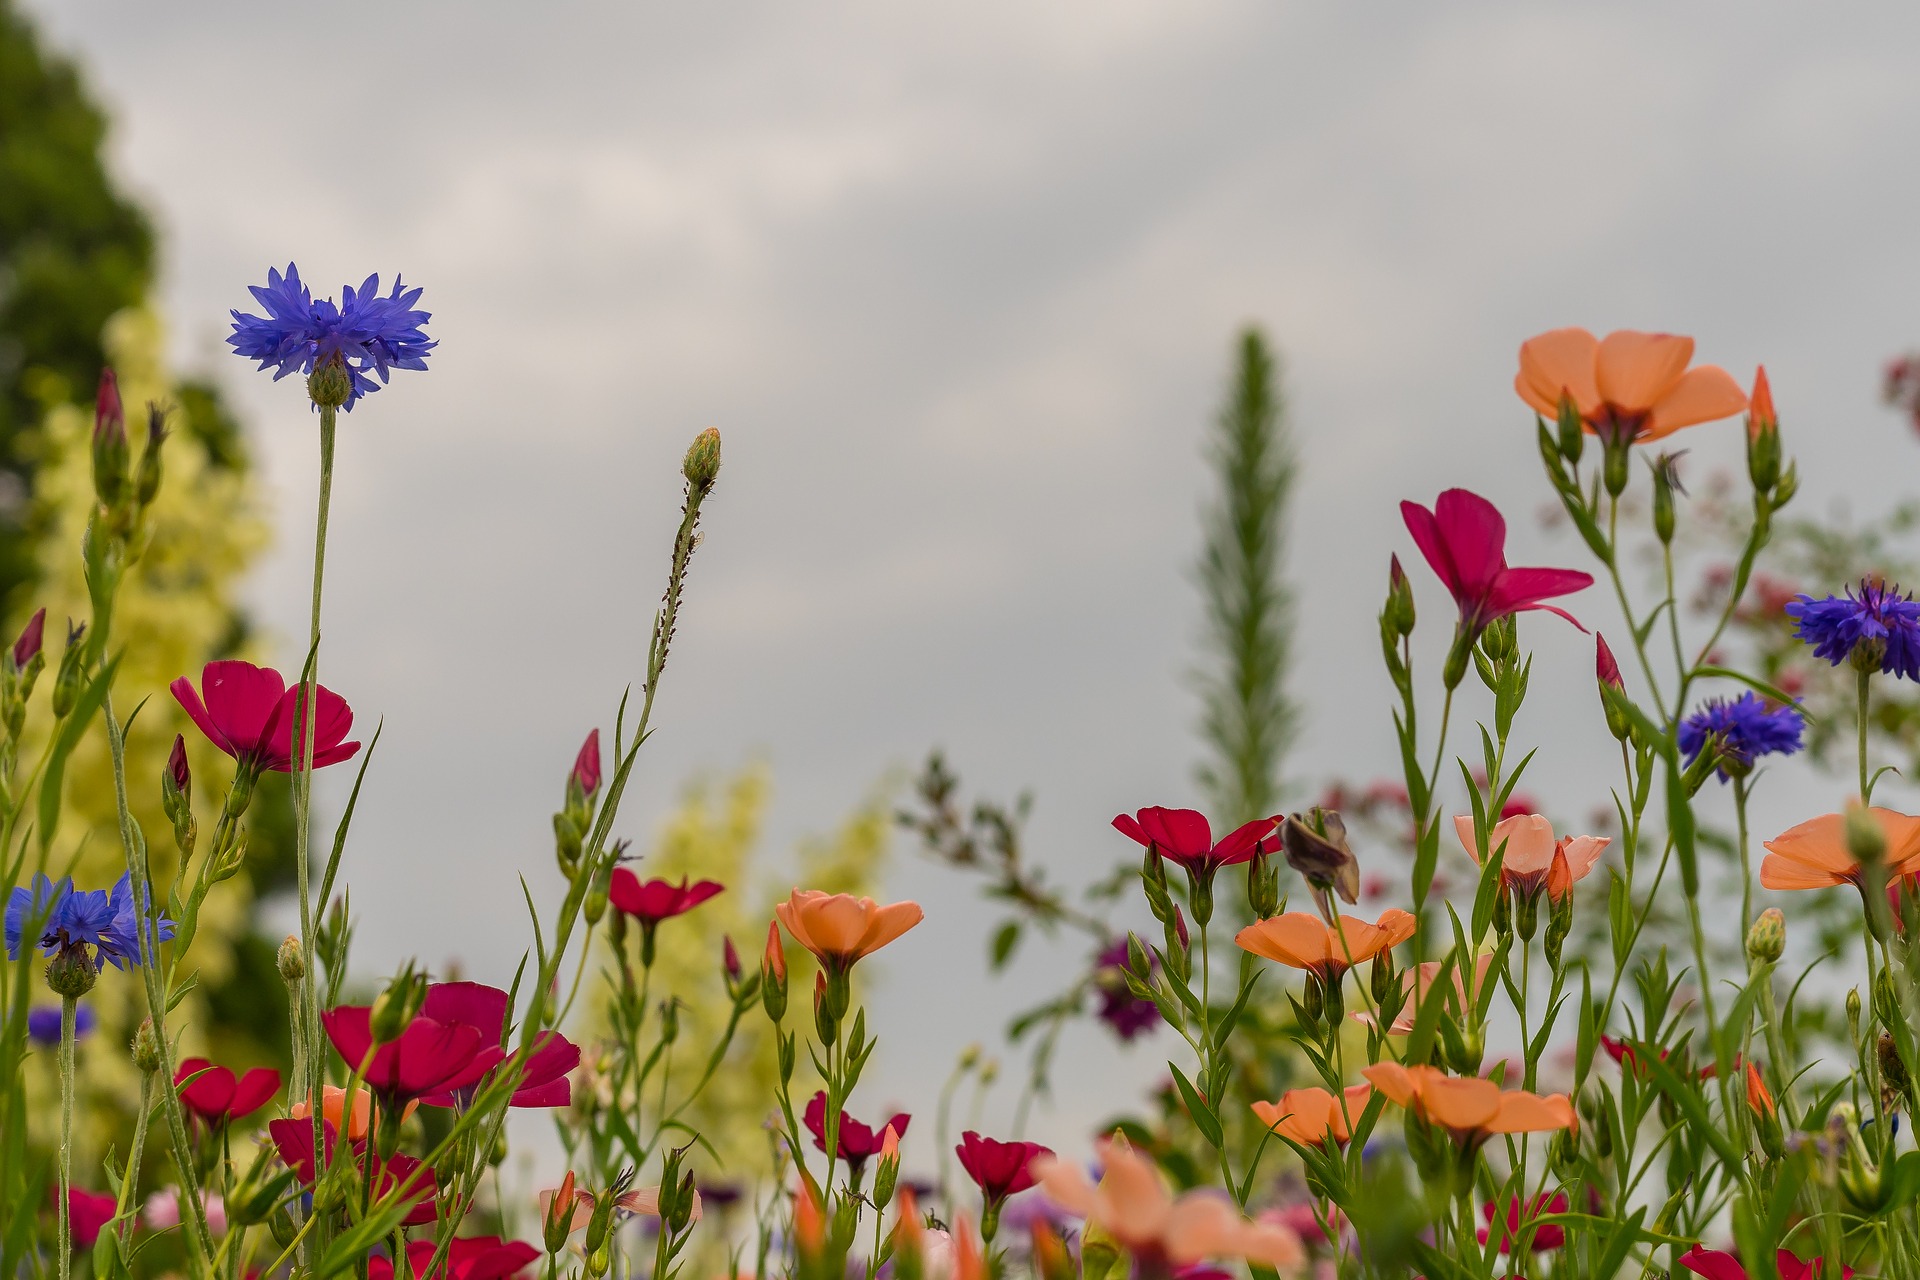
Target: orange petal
x=1065, y=1184
x=1393, y=1080
x=1583, y=852
x=1818, y=844
x=1296, y=939
x=1529, y=843
x=1706, y=394
x=1780, y=872
x=1558, y=363
x=889, y=922
x=1635, y=370
x=1398, y=925
x=1460, y=1102
x=1520, y=1112
x=1201, y=1226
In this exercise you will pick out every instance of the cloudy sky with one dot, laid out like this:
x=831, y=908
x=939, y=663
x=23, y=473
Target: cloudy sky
x=957, y=284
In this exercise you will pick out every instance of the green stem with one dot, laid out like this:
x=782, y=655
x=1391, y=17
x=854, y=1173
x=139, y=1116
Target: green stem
x=67, y=1004
x=1861, y=681
x=1746, y=862
x=129, y=1185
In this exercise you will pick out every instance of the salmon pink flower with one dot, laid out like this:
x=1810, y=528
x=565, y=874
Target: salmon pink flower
x=1469, y=1108
x=1310, y=1116
x=218, y=1097
x=840, y=929
x=1183, y=836
x=1546, y=1238
x=1131, y=1203
x=249, y=713
x=1303, y=941
x=1814, y=855
x=543, y=1076
x=1464, y=539
x=857, y=1142
x=1627, y=386
x=431, y=1058
x=1527, y=866
x=999, y=1169
x=656, y=900
x=335, y=1112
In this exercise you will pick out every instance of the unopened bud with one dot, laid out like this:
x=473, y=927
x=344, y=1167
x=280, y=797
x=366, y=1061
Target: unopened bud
x=330, y=385
x=1763, y=436
x=889, y=1171
x=559, y=1220
x=27, y=647
x=669, y=1021
x=146, y=1048
x=66, y=684
x=1573, y=430
x=176, y=782
x=146, y=481
x=291, y=961
x=702, y=463
x=1666, y=483
x=1767, y=939
x=729, y=959
x=1866, y=840
x=773, y=975
x=394, y=1008
x=595, y=905
x=586, y=769
x=71, y=973
x=109, y=442
x=1399, y=612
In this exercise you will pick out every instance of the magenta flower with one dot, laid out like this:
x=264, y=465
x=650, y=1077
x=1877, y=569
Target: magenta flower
x=543, y=1077
x=217, y=1096
x=1464, y=539
x=586, y=765
x=431, y=1058
x=1183, y=836
x=657, y=900
x=999, y=1169
x=249, y=713
x=858, y=1142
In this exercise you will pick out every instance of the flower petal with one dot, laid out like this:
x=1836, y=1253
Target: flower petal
x=1705, y=394
x=1634, y=370
x=1557, y=363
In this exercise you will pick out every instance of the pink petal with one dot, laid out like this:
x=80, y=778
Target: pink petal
x=241, y=699
x=253, y=1092
x=1475, y=536
x=189, y=699
x=1181, y=832
x=1426, y=536
x=1517, y=589
x=473, y=1003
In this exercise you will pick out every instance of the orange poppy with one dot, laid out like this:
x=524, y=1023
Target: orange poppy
x=1303, y=941
x=1308, y=1115
x=1132, y=1204
x=840, y=928
x=1814, y=855
x=1627, y=385
x=1470, y=1108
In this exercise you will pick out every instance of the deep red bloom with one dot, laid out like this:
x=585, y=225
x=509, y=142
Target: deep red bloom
x=468, y=1258
x=1183, y=836
x=857, y=1141
x=87, y=1213
x=1715, y=1265
x=586, y=765
x=1545, y=1238
x=543, y=1077
x=430, y=1057
x=1464, y=538
x=250, y=714
x=293, y=1139
x=30, y=639
x=656, y=900
x=218, y=1096
x=999, y=1169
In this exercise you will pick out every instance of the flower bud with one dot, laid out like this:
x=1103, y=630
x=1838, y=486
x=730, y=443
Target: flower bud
x=1893, y=1073
x=1788, y=486
x=669, y=1021
x=1572, y=430
x=773, y=975
x=702, y=463
x=71, y=973
x=595, y=905
x=1316, y=847
x=176, y=783
x=1767, y=939
x=146, y=1048
x=1763, y=436
x=585, y=778
x=824, y=1022
x=729, y=960
x=1399, y=613
x=66, y=684
x=1666, y=482
x=558, y=1224
x=109, y=442
x=146, y=481
x=291, y=960
x=27, y=647
x=888, y=1172
x=1865, y=840
x=395, y=1008
x=1853, y=1015
x=330, y=385
x=1614, y=468
x=1380, y=978
x=1263, y=886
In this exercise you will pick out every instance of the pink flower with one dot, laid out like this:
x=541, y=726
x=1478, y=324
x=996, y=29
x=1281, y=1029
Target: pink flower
x=543, y=1076
x=218, y=1096
x=1464, y=538
x=657, y=900
x=1715, y=1265
x=249, y=713
x=1531, y=851
x=586, y=765
x=999, y=1169
x=1545, y=1238
x=87, y=1213
x=1183, y=836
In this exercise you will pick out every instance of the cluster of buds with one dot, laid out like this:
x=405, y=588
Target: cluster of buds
x=575, y=819
x=125, y=488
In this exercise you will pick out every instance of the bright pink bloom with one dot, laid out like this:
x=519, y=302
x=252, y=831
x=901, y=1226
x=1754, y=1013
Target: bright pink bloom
x=87, y=1213
x=1545, y=1238
x=1464, y=538
x=656, y=900
x=30, y=639
x=857, y=1141
x=586, y=765
x=250, y=714
x=293, y=1139
x=468, y=1258
x=1183, y=836
x=543, y=1077
x=999, y=1169
x=218, y=1097
x=430, y=1057
x=1715, y=1265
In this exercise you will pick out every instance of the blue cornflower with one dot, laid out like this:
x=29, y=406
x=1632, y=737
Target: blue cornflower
x=1876, y=630
x=79, y=918
x=1744, y=728
x=366, y=334
x=43, y=1024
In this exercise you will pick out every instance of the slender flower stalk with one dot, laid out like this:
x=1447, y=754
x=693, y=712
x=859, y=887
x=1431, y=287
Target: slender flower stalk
x=66, y=1135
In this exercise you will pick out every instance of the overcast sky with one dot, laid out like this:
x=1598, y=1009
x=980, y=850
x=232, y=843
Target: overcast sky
x=957, y=284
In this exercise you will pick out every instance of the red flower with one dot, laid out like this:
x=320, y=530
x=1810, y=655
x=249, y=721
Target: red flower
x=218, y=1097
x=1464, y=539
x=999, y=1169
x=656, y=900
x=250, y=714
x=468, y=1258
x=543, y=1077
x=1715, y=1265
x=1545, y=1238
x=87, y=1213
x=857, y=1141
x=430, y=1057
x=1183, y=836
x=293, y=1139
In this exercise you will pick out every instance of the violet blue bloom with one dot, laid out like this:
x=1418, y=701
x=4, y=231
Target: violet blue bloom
x=367, y=333
x=43, y=1024
x=99, y=918
x=1878, y=618
x=1747, y=728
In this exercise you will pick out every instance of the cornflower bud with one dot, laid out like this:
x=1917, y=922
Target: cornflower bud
x=71, y=972
x=291, y=961
x=146, y=1048
x=559, y=1220
x=1399, y=612
x=702, y=464
x=66, y=684
x=773, y=975
x=146, y=482
x=109, y=442
x=1763, y=436
x=1767, y=939
x=330, y=385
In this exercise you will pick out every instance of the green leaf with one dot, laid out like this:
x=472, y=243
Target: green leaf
x=1006, y=939
x=1762, y=688
x=1203, y=1114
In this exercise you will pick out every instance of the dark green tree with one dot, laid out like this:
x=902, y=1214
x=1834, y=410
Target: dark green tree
x=1247, y=719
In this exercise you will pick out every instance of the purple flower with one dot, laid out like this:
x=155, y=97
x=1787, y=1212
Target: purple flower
x=367, y=334
x=1128, y=1016
x=43, y=1024
x=1876, y=630
x=75, y=919
x=1745, y=728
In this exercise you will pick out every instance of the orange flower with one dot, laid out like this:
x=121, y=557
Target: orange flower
x=1309, y=1115
x=839, y=928
x=1304, y=941
x=333, y=1106
x=1528, y=863
x=1627, y=386
x=1757, y=1096
x=1814, y=855
x=1132, y=1205
x=1470, y=1108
